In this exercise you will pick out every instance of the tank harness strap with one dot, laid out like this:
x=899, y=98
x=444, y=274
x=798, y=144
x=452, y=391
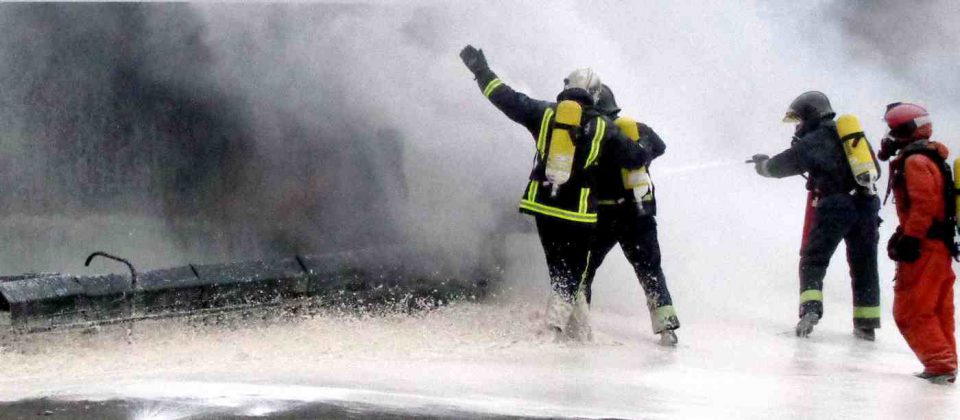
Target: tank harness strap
x=856, y=137
x=542, y=136
x=940, y=229
x=601, y=128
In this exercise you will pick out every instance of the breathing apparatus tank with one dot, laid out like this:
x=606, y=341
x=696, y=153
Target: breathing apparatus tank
x=562, y=149
x=863, y=164
x=637, y=180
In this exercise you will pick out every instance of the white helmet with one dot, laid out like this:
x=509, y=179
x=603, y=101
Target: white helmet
x=584, y=79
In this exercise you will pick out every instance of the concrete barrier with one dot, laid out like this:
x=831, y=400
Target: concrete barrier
x=388, y=275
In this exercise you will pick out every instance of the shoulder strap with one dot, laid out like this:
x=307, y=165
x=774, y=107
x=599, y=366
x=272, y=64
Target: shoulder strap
x=600, y=131
x=941, y=229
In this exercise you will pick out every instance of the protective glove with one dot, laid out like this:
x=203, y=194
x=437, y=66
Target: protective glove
x=474, y=60
x=758, y=161
x=903, y=248
x=888, y=148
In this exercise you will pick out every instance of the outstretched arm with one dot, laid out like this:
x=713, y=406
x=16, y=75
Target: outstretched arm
x=785, y=164
x=515, y=105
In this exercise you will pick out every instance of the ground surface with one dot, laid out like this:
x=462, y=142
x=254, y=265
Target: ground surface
x=465, y=361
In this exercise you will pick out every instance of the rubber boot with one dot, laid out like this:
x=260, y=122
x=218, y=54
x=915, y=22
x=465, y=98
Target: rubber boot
x=668, y=338
x=866, y=334
x=578, y=328
x=558, y=312
x=939, y=379
x=805, y=326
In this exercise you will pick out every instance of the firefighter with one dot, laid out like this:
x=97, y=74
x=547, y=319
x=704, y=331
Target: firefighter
x=625, y=218
x=572, y=142
x=923, y=245
x=838, y=208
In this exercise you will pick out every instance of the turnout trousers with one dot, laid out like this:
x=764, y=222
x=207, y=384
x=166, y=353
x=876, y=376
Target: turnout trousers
x=566, y=246
x=923, y=307
x=854, y=220
x=637, y=236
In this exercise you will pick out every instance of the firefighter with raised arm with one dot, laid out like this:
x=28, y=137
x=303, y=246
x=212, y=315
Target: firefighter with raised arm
x=572, y=140
x=842, y=205
x=923, y=245
x=626, y=215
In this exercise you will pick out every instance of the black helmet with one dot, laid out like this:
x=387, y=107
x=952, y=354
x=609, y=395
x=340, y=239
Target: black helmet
x=607, y=104
x=808, y=107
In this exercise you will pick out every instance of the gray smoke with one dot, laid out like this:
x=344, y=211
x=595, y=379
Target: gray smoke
x=913, y=45
x=913, y=40
x=237, y=129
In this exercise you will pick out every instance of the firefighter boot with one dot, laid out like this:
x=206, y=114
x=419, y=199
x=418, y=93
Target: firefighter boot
x=805, y=326
x=558, y=316
x=668, y=338
x=578, y=328
x=866, y=334
x=939, y=379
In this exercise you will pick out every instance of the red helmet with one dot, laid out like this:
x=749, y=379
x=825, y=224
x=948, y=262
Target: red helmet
x=908, y=121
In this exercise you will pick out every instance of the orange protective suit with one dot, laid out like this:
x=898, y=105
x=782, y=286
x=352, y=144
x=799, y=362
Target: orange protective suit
x=923, y=296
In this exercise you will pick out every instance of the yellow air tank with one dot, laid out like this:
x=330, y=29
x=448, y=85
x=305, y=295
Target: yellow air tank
x=637, y=180
x=858, y=151
x=956, y=186
x=562, y=149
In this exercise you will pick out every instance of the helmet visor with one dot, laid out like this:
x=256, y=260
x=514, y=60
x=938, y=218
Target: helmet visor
x=792, y=117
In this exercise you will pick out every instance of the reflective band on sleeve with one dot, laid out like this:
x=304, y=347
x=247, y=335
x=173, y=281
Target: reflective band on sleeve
x=584, y=195
x=665, y=312
x=558, y=212
x=595, y=145
x=493, y=85
x=866, y=312
x=811, y=295
x=542, y=136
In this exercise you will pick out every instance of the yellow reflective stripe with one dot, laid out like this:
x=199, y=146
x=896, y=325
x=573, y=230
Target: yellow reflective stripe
x=532, y=190
x=811, y=295
x=558, y=212
x=584, y=194
x=595, y=145
x=542, y=137
x=495, y=83
x=665, y=312
x=866, y=312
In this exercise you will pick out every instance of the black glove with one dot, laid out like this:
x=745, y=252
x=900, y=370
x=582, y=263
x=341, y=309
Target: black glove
x=758, y=160
x=903, y=248
x=474, y=60
x=888, y=148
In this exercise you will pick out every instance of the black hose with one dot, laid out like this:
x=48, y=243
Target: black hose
x=133, y=271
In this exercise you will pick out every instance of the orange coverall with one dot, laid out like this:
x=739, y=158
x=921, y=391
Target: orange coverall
x=923, y=295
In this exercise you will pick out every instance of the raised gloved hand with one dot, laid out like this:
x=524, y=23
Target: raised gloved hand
x=758, y=162
x=903, y=248
x=474, y=60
